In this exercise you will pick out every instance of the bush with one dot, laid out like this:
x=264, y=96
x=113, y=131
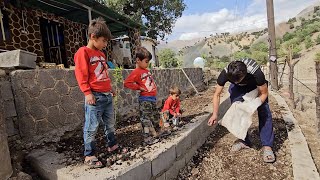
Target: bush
x=292, y=20
x=287, y=36
x=291, y=26
x=308, y=42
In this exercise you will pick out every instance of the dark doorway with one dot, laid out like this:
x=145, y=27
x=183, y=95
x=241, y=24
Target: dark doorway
x=53, y=42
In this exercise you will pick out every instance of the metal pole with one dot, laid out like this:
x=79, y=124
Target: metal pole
x=2, y=27
x=272, y=46
x=190, y=81
x=89, y=15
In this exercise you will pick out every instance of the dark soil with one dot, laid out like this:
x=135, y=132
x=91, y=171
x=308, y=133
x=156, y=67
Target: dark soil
x=215, y=161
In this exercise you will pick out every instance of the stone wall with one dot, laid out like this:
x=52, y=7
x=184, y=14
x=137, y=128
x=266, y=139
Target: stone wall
x=48, y=101
x=5, y=168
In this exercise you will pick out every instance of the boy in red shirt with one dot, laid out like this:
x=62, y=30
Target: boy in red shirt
x=141, y=79
x=93, y=80
x=171, y=108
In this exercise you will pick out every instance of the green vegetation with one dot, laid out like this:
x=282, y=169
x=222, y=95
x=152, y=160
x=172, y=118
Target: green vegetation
x=168, y=59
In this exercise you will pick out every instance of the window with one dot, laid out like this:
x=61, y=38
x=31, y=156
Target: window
x=4, y=26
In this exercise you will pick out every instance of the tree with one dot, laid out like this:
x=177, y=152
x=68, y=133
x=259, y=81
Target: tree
x=168, y=59
x=260, y=56
x=241, y=54
x=158, y=16
x=260, y=46
x=287, y=36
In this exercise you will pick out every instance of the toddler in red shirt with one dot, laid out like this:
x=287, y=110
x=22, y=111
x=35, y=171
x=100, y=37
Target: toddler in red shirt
x=171, y=109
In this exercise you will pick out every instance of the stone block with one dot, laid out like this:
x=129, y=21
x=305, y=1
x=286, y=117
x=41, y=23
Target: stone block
x=18, y=59
x=9, y=109
x=71, y=78
x=163, y=161
x=10, y=127
x=6, y=91
x=57, y=74
x=26, y=126
x=77, y=95
x=37, y=110
x=54, y=116
x=45, y=80
x=61, y=88
x=49, y=97
x=68, y=104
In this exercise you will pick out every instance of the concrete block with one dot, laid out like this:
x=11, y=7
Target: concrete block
x=162, y=177
x=18, y=59
x=196, y=133
x=163, y=161
x=141, y=171
x=190, y=154
x=173, y=172
x=183, y=145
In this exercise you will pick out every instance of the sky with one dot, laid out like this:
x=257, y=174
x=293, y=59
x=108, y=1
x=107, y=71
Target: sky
x=204, y=17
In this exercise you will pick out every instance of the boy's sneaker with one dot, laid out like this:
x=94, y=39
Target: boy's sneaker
x=150, y=140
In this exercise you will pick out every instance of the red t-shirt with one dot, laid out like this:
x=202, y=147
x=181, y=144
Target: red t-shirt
x=91, y=71
x=172, y=105
x=141, y=78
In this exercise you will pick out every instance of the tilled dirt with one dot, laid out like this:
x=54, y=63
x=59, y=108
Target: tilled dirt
x=214, y=160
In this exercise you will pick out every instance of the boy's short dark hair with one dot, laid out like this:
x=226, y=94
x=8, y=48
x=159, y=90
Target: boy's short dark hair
x=99, y=28
x=236, y=71
x=175, y=90
x=142, y=53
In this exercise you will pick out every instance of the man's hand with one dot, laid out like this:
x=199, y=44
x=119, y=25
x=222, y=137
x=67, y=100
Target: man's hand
x=212, y=120
x=90, y=99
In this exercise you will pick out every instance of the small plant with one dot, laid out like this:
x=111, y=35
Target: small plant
x=118, y=79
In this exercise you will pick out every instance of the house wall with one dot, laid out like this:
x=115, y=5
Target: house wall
x=148, y=44
x=28, y=36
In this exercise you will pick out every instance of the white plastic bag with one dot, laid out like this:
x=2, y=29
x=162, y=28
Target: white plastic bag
x=238, y=118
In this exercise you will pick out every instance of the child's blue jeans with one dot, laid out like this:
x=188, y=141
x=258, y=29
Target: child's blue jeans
x=264, y=114
x=101, y=112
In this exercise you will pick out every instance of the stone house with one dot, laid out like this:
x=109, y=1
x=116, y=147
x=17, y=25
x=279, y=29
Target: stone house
x=122, y=52
x=55, y=29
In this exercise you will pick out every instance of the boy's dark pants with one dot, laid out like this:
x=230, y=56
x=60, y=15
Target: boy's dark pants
x=264, y=114
x=149, y=116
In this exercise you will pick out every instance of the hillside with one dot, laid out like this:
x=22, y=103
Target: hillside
x=226, y=44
